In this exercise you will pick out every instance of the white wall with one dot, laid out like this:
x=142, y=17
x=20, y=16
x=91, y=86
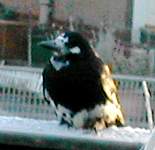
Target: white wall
x=143, y=13
x=151, y=12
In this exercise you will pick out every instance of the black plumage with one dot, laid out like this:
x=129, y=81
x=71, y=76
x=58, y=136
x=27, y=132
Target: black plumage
x=77, y=81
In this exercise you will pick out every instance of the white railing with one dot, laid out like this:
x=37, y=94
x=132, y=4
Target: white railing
x=21, y=77
x=21, y=95
x=24, y=103
x=133, y=99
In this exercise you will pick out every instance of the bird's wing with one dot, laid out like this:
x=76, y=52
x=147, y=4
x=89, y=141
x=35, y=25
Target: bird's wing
x=109, y=85
x=111, y=90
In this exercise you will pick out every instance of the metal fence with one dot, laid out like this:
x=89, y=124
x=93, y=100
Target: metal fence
x=23, y=99
x=24, y=103
x=133, y=99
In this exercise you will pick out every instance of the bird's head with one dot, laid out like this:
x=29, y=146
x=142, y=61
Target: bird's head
x=68, y=43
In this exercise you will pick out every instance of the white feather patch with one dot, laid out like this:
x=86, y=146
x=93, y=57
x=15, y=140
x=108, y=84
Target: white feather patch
x=97, y=111
x=58, y=64
x=75, y=50
x=108, y=113
x=49, y=98
x=64, y=113
x=112, y=112
x=80, y=118
x=61, y=40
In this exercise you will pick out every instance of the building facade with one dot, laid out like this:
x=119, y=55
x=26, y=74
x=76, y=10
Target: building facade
x=110, y=12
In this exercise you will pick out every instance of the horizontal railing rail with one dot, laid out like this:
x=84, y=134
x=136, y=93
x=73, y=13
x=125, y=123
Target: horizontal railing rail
x=42, y=141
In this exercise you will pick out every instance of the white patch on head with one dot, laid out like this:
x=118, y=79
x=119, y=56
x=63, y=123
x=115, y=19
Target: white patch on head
x=61, y=40
x=75, y=50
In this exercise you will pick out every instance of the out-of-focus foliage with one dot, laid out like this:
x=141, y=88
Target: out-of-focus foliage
x=7, y=13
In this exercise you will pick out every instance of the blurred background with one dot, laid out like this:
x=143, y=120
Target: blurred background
x=122, y=31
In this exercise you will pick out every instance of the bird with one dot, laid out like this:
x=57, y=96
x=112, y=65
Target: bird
x=79, y=85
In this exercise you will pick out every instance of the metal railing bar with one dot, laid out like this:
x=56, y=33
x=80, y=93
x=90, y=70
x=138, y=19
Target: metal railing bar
x=63, y=142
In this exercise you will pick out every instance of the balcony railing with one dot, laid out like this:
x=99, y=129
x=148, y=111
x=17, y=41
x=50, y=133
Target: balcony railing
x=21, y=96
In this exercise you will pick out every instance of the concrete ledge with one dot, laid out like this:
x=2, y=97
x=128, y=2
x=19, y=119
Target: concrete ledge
x=37, y=141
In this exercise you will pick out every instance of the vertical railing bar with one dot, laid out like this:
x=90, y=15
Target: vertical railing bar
x=148, y=106
x=14, y=106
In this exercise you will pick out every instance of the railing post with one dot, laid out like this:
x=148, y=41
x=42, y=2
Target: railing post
x=148, y=105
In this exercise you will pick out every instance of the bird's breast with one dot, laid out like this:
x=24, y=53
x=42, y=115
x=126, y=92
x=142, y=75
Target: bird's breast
x=75, y=86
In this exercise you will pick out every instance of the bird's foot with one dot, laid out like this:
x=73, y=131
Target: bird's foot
x=64, y=122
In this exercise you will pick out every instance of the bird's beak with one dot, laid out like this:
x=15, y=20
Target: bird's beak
x=49, y=44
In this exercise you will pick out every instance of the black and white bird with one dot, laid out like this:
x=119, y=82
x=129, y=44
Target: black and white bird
x=79, y=85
